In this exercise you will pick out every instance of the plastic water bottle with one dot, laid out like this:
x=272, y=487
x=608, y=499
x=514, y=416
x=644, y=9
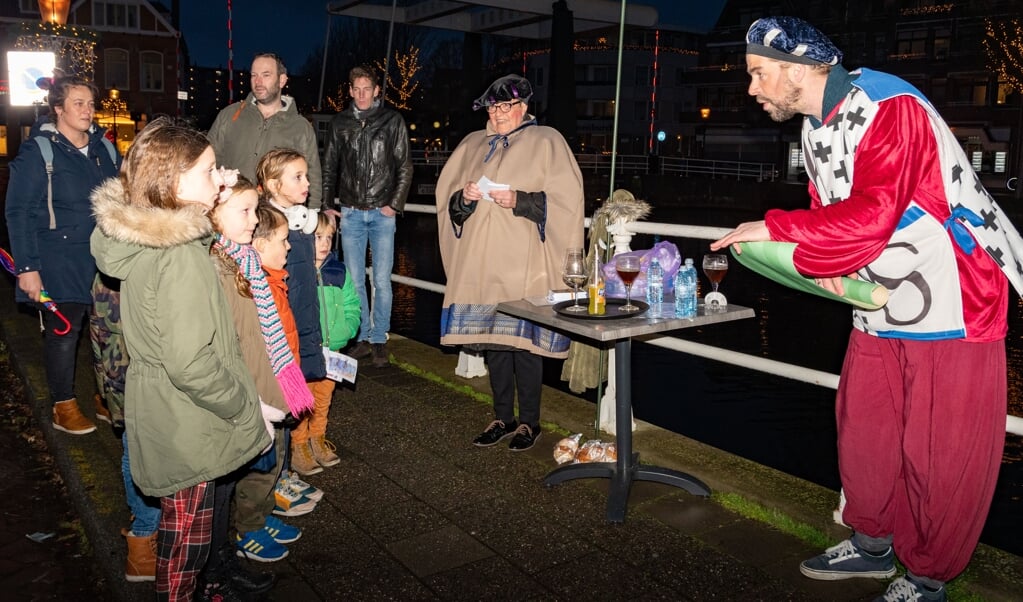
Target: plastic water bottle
x=685, y=291
x=655, y=286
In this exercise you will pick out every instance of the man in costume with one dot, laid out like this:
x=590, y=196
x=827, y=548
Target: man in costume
x=894, y=201
x=506, y=245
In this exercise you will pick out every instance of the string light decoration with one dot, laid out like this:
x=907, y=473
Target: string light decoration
x=933, y=9
x=408, y=67
x=73, y=45
x=1003, y=44
x=399, y=95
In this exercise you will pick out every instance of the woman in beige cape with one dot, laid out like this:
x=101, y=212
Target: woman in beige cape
x=507, y=245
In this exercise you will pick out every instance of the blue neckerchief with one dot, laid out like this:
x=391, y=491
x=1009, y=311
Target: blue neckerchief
x=959, y=232
x=503, y=138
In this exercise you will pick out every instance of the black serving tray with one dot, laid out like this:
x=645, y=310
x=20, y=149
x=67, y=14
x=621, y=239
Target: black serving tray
x=611, y=313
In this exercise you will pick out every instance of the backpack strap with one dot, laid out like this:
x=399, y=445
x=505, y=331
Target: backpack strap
x=110, y=149
x=46, y=150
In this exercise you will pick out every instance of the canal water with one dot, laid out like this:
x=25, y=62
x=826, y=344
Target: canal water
x=774, y=421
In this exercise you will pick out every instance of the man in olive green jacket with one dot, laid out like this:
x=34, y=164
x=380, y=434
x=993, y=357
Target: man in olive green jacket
x=244, y=131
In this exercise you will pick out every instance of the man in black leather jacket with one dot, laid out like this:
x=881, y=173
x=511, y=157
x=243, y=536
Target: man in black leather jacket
x=368, y=168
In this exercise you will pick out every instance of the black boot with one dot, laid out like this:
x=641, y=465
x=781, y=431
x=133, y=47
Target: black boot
x=243, y=580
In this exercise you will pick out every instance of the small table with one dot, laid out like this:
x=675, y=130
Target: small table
x=626, y=468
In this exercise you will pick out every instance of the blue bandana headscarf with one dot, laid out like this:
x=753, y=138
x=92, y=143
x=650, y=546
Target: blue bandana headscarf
x=792, y=40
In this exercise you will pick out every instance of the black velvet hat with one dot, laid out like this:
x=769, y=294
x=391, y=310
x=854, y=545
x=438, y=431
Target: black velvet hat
x=792, y=40
x=505, y=89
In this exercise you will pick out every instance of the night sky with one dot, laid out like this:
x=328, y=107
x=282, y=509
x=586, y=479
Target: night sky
x=293, y=29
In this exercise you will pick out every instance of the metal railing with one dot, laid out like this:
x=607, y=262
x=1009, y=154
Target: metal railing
x=685, y=166
x=638, y=164
x=1013, y=424
x=597, y=162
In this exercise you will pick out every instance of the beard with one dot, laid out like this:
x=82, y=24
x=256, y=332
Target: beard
x=786, y=108
x=271, y=95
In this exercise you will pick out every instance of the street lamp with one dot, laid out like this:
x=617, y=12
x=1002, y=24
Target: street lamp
x=112, y=104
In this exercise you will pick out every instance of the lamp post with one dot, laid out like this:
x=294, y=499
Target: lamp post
x=113, y=103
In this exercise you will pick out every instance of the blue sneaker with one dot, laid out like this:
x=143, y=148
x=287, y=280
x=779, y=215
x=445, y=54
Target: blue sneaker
x=846, y=561
x=281, y=531
x=260, y=546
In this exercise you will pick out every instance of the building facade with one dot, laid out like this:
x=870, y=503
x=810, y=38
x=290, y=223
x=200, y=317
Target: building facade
x=131, y=49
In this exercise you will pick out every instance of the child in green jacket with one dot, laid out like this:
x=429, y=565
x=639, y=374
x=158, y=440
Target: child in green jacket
x=339, y=322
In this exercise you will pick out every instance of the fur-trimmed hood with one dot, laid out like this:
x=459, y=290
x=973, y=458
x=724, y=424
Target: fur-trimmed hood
x=129, y=232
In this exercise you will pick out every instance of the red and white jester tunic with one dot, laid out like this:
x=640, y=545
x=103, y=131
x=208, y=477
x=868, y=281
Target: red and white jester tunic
x=895, y=199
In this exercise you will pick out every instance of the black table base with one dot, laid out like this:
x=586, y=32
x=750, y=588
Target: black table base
x=622, y=474
x=626, y=468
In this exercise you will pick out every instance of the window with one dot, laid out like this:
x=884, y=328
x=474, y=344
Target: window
x=979, y=96
x=911, y=44
x=601, y=74
x=641, y=110
x=603, y=108
x=115, y=68
x=795, y=157
x=939, y=87
x=942, y=43
x=115, y=13
x=1004, y=92
x=644, y=75
x=28, y=7
x=1000, y=161
x=151, y=71
x=538, y=77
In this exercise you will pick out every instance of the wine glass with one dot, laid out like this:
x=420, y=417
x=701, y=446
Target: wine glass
x=715, y=267
x=573, y=273
x=627, y=267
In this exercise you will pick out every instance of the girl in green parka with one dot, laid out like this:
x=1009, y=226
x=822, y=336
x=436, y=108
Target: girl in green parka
x=191, y=409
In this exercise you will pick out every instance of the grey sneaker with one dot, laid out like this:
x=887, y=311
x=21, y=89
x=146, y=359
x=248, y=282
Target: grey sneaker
x=905, y=589
x=846, y=561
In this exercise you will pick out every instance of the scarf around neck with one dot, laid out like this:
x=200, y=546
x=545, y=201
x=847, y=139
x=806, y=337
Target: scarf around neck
x=502, y=139
x=288, y=374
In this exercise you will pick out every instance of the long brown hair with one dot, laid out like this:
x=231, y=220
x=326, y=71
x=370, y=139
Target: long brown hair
x=241, y=283
x=160, y=154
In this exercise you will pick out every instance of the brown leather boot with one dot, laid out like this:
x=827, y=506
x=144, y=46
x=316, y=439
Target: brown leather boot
x=68, y=418
x=141, y=562
x=302, y=460
x=102, y=413
x=323, y=451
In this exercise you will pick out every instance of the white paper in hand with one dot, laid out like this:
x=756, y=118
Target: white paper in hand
x=486, y=185
x=340, y=366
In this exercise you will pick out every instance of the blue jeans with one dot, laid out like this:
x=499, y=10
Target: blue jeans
x=146, y=509
x=373, y=227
